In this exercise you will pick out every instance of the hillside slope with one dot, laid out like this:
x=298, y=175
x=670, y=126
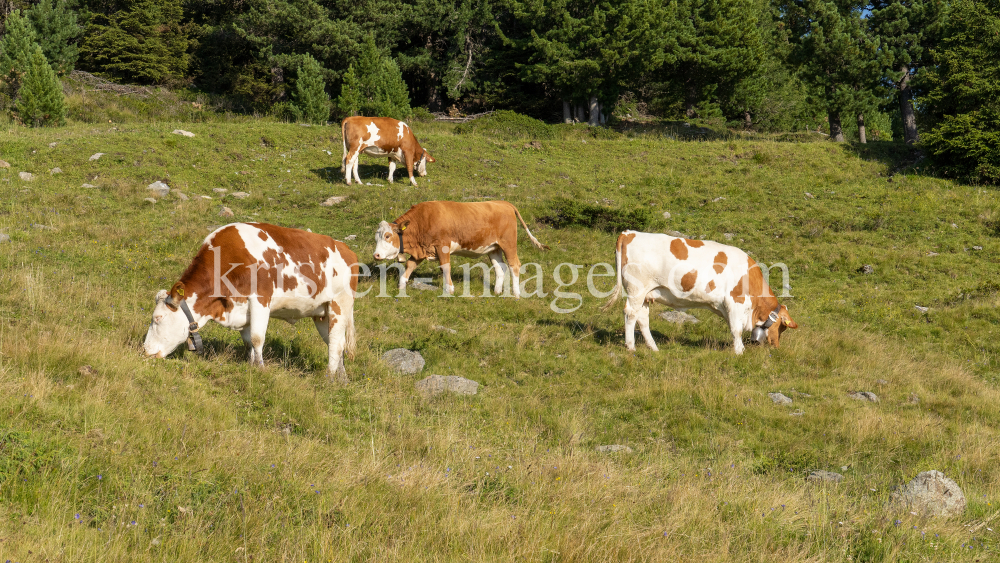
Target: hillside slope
x=201, y=458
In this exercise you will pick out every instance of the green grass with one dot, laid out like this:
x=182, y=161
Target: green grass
x=215, y=461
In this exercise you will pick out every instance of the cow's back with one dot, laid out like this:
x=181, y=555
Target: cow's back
x=388, y=133
x=466, y=222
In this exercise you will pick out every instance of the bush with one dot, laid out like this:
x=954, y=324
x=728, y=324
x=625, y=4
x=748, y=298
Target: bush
x=310, y=92
x=375, y=86
x=422, y=115
x=508, y=126
x=568, y=212
x=40, y=100
x=967, y=145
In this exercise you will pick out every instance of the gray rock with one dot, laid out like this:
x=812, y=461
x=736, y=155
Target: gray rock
x=809, y=196
x=158, y=188
x=333, y=200
x=729, y=236
x=240, y=195
x=205, y=197
x=150, y=200
x=825, y=477
x=4, y=238
x=26, y=176
x=226, y=212
x=402, y=360
x=865, y=396
x=423, y=286
x=881, y=382
x=438, y=384
x=350, y=237
x=220, y=190
x=921, y=309
x=797, y=412
x=56, y=170
x=930, y=493
x=676, y=234
x=52, y=145
x=181, y=196
x=666, y=214
x=182, y=132
x=613, y=449
x=4, y=164
x=440, y=328
x=779, y=399
x=718, y=199
x=977, y=248
x=866, y=269
x=96, y=156
x=41, y=227
x=88, y=186
x=678, y=317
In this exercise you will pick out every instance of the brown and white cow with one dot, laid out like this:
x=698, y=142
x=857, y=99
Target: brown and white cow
x=245, y=274
x=436, y=230
x=381, y=136
x=684, y=273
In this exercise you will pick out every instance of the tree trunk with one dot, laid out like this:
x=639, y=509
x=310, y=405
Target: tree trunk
x=861, y=128
x=433, y=96
x=747, y=119
x=836, y=131
x=567, y=112
x=691, y=100
x=579, y=113
x=906, y=108
x=595, y=112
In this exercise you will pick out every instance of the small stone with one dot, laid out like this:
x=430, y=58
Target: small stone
x=718, y=199
x=533, y=145
x=779, y=399
x=181, y=196
x=677, y=234
x=220, y=190
x=87, y=371
x=977, y=248
x=240, y=195
x=88, y=186
x=932, y=254
x=182, y=132
x=350, y=237
x=56, y=170
x=864, y=396
x=4, y=164
x=614, y=449
x=95, y=156
x=954, y=226
x=931, y=494
x=729, y=236
x=150, y=199
x=444, y=329
x=820, y=476
x=4, y=237
x=41, y=227
x=438, y=384
x=158, y=188
x=52, y=145
x=810, y=196
x=226, y=212
x=205, y=197
x=402, y=360
x=511, y=185
x=666, y=214
x=866, y=269
x=881, y=382
x=921, y=309
x=797, y=412
x=678, y=317
x=333, y=200
x=913, y=399
x=26, y=176
x=423, y=286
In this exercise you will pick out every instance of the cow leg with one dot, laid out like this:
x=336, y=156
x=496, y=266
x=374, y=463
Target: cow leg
x=409, y=169
x=259, y=317
x=736, y=328
x=411, y=264
x=350, y=161
x=445, y=259
x=510, y=253
x=339, y=319
x=496, y=257
x=630, y=317
x=392, y=169
x=357, y=164
x=245, y=333
x=643, y=319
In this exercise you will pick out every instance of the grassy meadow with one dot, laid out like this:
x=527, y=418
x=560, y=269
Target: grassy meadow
x=202, y=458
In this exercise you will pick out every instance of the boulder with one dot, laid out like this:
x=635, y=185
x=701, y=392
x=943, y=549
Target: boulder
x=350, y=237
x=438, y=384
x=181, y=196
x=4, y=164
x=824, y=477
x=613, y=449
x=678, y=317
x=666, y=214
x=26, y=176
x=402, y=360
x=52, y=145
x=240, y=195
x=55, y=170
x=333, y=200
x=95, y=156
x=865, y=396
x=182, y=132
x=158, y=188
x=220, y=190
x=4, y=237
x=150, y=199
x=226, y=212
x=779, y=399
x=866, y=269
x=931, y=494
x=88, y=186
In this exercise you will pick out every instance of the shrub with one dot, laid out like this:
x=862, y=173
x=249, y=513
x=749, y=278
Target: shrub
x=40, y=100
x=375, y=86
x=568, y=212
x=310, y=92
x=508, y=126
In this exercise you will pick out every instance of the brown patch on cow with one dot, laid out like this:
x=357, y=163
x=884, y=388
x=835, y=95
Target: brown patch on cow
x=262, y=235
x=335, y=308
x=688, y=280
x=621, y=247
x=720, y=262
x=289, y=283
x=739, y=292
x=694, y=243
x=710, y=287
x=678, y=249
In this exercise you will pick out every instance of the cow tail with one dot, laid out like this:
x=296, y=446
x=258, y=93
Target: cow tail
x=343, y=140
x=351, y=336
x=531, y=236
x=618, y=283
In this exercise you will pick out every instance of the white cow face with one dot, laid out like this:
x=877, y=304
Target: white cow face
x=386, y=242
x=168, y=330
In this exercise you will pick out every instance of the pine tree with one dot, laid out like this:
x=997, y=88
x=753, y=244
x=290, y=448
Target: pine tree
x=56, y=29
x=374, y=86
x=40, y=99
x=16, y=48
x=310, y=92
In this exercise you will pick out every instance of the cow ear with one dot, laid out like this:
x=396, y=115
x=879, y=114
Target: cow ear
x=178, y=292
x=429, y=157
x=786, y=319
x=404, y=224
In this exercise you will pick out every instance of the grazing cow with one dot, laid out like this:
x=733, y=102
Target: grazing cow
x=436, y=230
x=381, y=136
x=684, y=273
x=246, y=273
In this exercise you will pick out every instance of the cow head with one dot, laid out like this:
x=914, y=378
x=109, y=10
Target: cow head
x=422, y=164
x=387, y=240
x=775, y=330
x=168, y=330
